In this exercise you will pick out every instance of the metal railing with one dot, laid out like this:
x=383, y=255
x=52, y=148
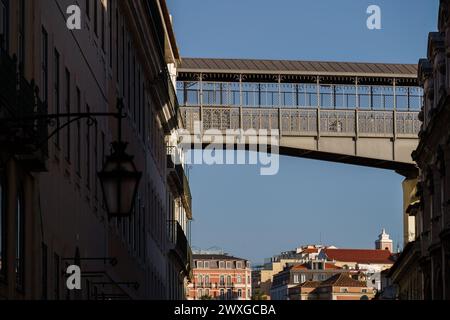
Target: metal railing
x=305, y=121
x=173, y=163
x=178, y=238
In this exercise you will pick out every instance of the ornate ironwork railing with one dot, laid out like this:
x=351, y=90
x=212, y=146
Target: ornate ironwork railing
x=305, y=121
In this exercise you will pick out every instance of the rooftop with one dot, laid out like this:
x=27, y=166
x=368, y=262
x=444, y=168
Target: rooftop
x=215, y=257
x=342, y=280
x=298, y=67
x=364, y=256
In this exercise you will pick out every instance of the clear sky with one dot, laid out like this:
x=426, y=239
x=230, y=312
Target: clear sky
x=309, y=201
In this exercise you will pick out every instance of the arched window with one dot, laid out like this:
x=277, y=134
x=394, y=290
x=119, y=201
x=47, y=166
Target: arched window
x=200, y=280
x=222, y=280
x=206, y=280
x=2, y=226
x=222, y=294
x=239, y=279
x=228, y=280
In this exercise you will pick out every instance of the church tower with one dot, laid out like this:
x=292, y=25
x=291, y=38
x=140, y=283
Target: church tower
x=383, y=242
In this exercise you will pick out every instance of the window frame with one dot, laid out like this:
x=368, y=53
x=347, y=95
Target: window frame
x=20, y=240
x=3, y=229
x=4, y=43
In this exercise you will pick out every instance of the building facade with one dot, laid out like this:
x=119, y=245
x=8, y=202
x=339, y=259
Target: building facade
x=220, y=277
x=423, y=270
x=52, y=211
x=341, y=286
x=294, y=275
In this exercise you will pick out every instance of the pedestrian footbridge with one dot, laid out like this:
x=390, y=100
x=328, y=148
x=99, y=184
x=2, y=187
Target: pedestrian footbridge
x=358, y=113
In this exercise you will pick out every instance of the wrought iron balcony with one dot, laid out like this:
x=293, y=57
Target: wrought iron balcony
x=180, y=246
x=23, y=123
x=203, y=285
x=177, y=178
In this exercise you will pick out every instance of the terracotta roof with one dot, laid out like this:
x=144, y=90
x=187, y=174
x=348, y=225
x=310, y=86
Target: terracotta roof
x=310, y=284
x=342, y=280
x=303, y=266
x=329, y=265
x=298, y=67
x=360, y=256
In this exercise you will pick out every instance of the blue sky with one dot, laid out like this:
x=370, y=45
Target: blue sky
x=255, y=216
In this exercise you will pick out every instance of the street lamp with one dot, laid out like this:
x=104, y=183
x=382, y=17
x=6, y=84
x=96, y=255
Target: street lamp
x=119, y=178
x=119, y=181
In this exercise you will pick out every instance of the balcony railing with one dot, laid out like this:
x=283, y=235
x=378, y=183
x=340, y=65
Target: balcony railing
x=179, y=177
x=23, y=126
x=181, y=245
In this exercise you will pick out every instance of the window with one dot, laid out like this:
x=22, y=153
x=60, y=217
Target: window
x=129, y=76
x=67, y=103
x=57, y=275
x=239, y=293
x=109, y=8
x=96, y=163
x=44, y=66
x=20, y=237
x=2, y=226
x=88, y=152
x=78, y=133
x=206, y=280
x=200, y=264
x=239, y=279
x=4, y=26
x=96, y=17
x=56, y=90
x=200, y=280
x=117, y=45
x=199, y=293
x=21, y=36
x=207, y=292
x=206, y=264
x=44, y=272
x=364, y=290
x=302, y=278
x=222, y=294
x=229, y=264
x=221, y=265
x=228, y=280
x=102, y=8
x=123, y=60
x=222, y=280
x=88, y=8
x=229, y=294
x=296, y=278
x=344, y=290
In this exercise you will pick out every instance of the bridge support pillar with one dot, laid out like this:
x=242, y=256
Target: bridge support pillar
x=409, y=196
